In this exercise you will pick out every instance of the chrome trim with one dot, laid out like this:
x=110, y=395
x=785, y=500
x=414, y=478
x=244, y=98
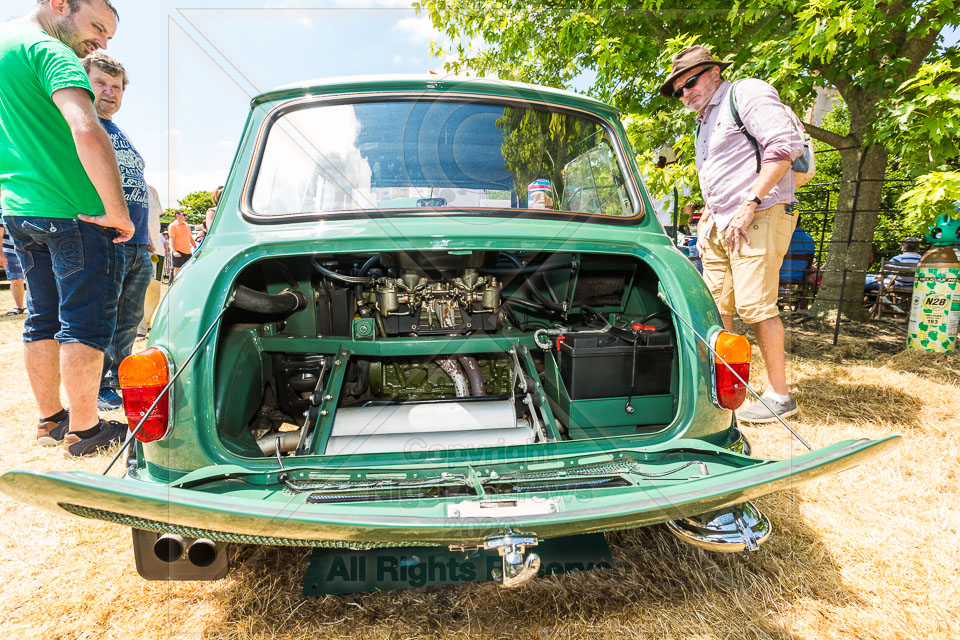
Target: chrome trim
x=742, y=527
x=740, y=444
x=712, y=339
x=171, y=371
x=246, y=194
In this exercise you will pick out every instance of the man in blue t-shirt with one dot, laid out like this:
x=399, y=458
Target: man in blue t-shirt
x=108, y=79
x=909, y=257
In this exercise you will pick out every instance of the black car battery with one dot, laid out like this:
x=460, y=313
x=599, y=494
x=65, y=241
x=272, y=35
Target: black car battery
x=598, y=364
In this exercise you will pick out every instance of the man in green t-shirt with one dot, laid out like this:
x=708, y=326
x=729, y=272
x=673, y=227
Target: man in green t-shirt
x=63, y=204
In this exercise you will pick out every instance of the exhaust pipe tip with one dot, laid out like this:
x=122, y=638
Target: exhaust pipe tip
x=168, y=547
x=202, y=553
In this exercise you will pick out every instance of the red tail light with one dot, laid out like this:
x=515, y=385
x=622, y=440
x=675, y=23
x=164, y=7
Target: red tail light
x=142, y=377
x=735, y=351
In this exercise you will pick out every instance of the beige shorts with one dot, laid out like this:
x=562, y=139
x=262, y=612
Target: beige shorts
x=745, y=281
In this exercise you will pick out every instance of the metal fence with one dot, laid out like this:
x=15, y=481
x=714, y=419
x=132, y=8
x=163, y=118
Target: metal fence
x=817, y=212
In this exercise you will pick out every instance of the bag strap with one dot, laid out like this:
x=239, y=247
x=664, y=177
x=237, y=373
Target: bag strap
x=735, y=114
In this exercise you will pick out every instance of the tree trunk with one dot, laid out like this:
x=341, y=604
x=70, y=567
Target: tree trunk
x=851, y=240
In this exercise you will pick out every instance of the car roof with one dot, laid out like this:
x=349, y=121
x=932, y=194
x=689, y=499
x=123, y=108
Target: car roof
x=431, y=82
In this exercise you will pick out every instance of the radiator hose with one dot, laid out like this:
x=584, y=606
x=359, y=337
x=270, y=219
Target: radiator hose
x=274, y=304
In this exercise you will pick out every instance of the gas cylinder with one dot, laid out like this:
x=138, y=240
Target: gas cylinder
x=935, y=305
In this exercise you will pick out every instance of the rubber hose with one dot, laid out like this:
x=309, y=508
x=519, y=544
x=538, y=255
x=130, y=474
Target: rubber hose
x=280, y=304
x=369, y=263
x=547, y=304
x=527, y=304
x=339, y=276
x=530, y=268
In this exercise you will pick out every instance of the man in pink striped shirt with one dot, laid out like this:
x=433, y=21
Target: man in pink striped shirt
x=748, y=191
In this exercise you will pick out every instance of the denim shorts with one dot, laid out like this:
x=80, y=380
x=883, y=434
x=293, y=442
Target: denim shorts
x=13, y=268
x=73, y=271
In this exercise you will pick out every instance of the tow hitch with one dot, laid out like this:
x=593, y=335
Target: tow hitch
x=517, y=570
x=500, y=557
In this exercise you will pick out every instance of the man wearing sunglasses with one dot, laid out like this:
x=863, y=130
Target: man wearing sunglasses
x=748, y=192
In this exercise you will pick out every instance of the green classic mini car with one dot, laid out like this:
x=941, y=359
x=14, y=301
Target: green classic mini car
x=434, y=313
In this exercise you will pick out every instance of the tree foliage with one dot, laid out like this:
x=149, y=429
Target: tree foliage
x=194, y=205
x=881, y=56
x=923, y=123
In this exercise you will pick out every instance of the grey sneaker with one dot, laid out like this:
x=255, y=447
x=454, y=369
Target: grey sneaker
x=759, y=414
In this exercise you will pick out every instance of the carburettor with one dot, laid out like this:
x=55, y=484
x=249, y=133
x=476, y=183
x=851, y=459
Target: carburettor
x=469, y=290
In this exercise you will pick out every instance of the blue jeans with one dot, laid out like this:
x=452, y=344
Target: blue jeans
x=137, y=272
x=73, y=271
x=13, y=268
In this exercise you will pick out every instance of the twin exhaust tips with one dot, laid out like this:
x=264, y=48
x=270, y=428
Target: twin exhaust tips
x=170, y=556
x=200, y=552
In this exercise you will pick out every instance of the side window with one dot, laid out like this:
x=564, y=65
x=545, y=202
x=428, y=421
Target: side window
x=593, y=183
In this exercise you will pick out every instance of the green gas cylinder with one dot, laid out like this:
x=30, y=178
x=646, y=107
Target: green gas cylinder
x=935, y=307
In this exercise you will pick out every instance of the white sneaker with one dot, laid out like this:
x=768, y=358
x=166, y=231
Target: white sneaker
x=758, y=413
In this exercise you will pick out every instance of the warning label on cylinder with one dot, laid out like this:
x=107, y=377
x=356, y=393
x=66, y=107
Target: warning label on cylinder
x=935, y=310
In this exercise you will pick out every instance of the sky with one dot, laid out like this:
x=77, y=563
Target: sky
x=194, y=66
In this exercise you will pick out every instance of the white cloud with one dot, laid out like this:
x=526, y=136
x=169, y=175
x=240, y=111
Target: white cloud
x=397, y=58
x=418, y=29
x=306, y=22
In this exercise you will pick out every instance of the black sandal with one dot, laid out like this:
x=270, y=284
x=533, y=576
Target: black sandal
x=16, y=311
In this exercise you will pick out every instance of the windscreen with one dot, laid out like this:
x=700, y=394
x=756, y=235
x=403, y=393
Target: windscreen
x=411, y=154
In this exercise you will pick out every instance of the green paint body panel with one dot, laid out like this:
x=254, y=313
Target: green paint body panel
x=191, y=481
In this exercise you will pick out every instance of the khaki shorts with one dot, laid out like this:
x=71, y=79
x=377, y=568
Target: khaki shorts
x=745, y=281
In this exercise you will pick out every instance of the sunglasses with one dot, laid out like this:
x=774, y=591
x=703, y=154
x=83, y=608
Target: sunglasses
x=691, y=81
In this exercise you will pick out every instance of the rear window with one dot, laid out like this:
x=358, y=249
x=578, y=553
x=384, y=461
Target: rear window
x=412, y=154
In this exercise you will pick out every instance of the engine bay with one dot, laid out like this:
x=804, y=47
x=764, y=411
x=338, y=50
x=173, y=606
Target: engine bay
x=438, y=353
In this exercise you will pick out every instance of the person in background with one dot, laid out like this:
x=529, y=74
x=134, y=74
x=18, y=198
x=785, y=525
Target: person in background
x=10, y=261
x=167, y=256
x=688, y=243
x=182, y=245
x=109, y=81
x=748, y=214
x=797, y=268
x=215, y=196
x=158, y=252
x=909, y=256
x=63, y=204
x=799, y=256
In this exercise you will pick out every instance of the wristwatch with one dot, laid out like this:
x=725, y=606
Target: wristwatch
x=752, y=197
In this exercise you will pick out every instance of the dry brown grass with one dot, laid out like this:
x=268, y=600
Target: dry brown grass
x=871, y=553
